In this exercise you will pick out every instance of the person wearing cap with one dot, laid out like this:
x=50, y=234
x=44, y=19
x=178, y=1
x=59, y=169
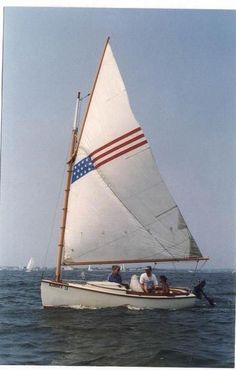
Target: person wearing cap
x=148, y=280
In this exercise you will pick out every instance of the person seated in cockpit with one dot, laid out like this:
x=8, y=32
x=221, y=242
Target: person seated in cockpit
x=115, y=277
x=148, y=281
x=165, y=289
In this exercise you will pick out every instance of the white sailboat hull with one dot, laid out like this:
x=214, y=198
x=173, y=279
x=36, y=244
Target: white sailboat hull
x=102, y=295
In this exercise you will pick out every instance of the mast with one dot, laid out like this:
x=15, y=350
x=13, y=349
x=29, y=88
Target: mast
x=67, y=190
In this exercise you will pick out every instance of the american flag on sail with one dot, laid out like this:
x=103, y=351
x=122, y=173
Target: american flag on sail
x=108, y=152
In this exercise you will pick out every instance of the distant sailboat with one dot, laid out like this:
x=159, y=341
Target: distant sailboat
x=122, y=268
x=31, y=265
x=90, y=268
x=117, y=208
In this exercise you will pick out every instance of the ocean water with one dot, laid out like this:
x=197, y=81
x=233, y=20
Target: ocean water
x=202, y=336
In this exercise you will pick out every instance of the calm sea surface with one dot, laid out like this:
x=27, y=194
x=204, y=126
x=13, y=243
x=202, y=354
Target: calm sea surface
x=199, y=337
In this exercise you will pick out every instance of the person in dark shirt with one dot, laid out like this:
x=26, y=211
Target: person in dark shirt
x=165, y=289
x=114, y=276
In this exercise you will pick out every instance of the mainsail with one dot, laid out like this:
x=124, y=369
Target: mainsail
x=119, y=208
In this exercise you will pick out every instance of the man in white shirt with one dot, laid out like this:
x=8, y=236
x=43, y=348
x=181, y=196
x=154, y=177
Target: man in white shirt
x=148, y=280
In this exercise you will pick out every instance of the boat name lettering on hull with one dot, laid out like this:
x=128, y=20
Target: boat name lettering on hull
x=58, y=286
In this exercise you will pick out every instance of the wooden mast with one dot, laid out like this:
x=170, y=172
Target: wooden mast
x=67, y=190
x=76, y=136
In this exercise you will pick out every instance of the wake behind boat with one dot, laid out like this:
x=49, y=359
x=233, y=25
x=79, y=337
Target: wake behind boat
x=117, y=209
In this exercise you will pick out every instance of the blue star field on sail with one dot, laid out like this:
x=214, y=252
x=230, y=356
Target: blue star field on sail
x=82, y=168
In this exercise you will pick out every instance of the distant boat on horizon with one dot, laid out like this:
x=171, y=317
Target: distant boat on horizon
x=123, y=269
x=30, y=265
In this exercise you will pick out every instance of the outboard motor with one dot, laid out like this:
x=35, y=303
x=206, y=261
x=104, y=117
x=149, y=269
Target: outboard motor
x=198, y=291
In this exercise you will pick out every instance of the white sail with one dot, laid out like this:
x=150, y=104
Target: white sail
x=119, y=209
x=122, y=268
x=31, y=264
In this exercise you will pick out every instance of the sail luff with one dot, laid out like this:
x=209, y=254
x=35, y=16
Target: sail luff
x=81, y=129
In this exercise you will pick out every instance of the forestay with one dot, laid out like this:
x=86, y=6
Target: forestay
x=119, y=208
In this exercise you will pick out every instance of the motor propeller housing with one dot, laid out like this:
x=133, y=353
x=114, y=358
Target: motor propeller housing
x=198, y=291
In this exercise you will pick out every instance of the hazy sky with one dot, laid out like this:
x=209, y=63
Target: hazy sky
x=179, y=67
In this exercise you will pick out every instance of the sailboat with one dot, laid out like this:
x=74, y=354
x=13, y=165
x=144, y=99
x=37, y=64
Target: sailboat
x=117, y=208
x=30, y=265
x=122, y=268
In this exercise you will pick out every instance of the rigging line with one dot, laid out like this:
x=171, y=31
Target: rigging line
x=194, y=274
x=80, y=106
x=55, y=213
x=203, y=265
x=195, y=271
x=196, y=267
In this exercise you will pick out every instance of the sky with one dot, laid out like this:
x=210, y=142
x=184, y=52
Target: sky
x=179, y=68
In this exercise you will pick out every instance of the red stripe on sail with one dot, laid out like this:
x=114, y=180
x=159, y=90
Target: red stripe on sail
x=121, y=153
x=116, y=140
x=117, y=147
